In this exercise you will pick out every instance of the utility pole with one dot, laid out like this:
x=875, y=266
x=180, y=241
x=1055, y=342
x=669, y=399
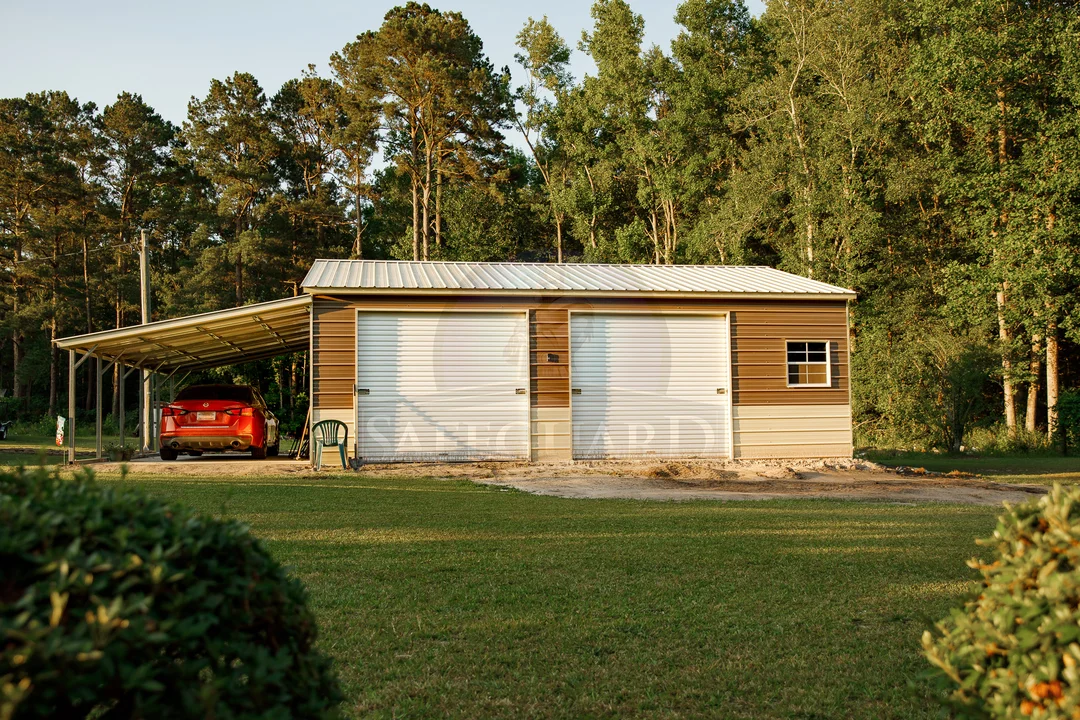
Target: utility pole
x=144, y=394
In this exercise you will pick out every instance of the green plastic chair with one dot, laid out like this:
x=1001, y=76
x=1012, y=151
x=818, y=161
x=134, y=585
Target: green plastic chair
x=329, y=433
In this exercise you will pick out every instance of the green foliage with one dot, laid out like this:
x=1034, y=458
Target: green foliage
x=1068, y=408
x=925, y=154
x=997, y=440
x=1013, y=650
x=117, y=605
x=931, y=388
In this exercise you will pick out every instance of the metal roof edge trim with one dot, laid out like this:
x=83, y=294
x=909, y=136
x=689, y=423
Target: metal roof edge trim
x=531, y=292
x=74, y=341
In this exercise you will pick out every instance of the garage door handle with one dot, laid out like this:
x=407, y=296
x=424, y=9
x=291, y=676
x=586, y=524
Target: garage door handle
x=575, y=391
x=521, y=391
x=721, y=391
x=363, y=391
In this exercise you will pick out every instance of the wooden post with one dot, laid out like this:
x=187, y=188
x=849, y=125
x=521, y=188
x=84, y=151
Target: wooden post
x=121, y=376
x=145, y=394
x=97, y=408
x=70, y=429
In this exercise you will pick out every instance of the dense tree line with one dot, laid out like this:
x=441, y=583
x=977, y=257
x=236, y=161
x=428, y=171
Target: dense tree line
x=925, y=154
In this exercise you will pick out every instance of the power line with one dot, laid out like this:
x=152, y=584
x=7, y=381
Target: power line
x=129, y=245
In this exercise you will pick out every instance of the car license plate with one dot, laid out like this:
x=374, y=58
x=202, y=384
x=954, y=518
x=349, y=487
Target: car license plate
x=200, y=416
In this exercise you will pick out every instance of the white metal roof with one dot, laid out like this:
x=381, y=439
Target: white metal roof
x=222, y=337
x=445, y=278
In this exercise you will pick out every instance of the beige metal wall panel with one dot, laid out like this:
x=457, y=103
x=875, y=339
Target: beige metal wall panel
x=442, y=386
x=651, y=385
x=550, y=433
x=345, y=416
x=792, y=431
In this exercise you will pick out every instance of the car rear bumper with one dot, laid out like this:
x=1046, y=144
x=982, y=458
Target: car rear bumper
x=207, y=442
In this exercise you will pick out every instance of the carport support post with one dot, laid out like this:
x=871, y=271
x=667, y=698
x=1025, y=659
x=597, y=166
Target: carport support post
x=145, y=397
x=122, y=374
x=146, y=412
x=97, y=409
x=71, y=406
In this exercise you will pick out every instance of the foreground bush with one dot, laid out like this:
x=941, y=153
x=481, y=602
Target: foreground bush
x=1013, y=651
x=114, y=604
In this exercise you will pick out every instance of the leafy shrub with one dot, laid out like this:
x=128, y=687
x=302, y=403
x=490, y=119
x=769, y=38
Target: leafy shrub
x=996, y=440
x=39, y=425
x=1013, y=650
x=928, y=392
x=1068, y=407
x=113, y=604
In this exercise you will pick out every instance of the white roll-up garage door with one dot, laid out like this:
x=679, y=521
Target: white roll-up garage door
x=649, y=385
x=442, y=386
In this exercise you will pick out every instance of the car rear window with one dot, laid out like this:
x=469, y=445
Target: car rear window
x=233, y=393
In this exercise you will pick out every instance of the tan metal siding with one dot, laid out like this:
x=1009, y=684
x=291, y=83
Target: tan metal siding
x=758, y=352
x=792, y=431
x=758, y=329
x=333, y=356
x=549, y=333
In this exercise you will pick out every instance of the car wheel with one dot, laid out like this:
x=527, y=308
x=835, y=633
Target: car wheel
x=273, y=450
x=168, y=454
x=258, y=453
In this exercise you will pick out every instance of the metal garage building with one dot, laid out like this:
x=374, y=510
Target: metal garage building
x=475, y=361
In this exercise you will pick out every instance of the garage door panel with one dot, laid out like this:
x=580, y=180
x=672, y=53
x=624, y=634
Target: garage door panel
x=648, y=385
x=442, y=386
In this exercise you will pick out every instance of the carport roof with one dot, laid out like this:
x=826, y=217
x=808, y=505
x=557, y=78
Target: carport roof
x=222, y=337
x=455, y=278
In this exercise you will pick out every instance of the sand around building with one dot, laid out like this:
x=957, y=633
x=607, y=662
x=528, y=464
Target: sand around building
x=644, y=479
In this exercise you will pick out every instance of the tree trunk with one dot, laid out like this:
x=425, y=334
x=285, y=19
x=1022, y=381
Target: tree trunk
x=1006, y=364
x=426, y=198
x=415, y=220
x=53, y=361
x=91, y=373
x=16, y=336
x=358, y=246
x=116, y=368
x=558, y=235
x=1033, y=386
x=438, y=205
x=16, y=361
x=1051, y=380
x=239, y=260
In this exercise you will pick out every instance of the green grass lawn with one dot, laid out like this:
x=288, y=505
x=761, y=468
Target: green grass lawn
x=21, y=448
x=1039, y=469
x=444, y=598
x=32, y=449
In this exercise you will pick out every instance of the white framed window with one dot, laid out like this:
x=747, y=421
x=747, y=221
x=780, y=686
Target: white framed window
x=808, y=363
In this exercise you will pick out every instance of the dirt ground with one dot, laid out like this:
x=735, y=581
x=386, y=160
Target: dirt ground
x=647, y=479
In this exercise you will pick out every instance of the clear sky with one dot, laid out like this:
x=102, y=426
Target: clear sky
x=168, y=52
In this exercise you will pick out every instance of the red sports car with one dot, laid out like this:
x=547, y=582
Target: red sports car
x=218, y=417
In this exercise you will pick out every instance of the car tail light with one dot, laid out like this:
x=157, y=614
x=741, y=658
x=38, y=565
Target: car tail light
x=245, y=412
x=169, y=411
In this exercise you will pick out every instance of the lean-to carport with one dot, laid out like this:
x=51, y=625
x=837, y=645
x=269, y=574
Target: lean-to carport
x=165, y=348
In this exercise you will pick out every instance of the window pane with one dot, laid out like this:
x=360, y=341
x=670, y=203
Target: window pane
x=816, y=356
x=816, y=346
x=793, y=375
x=817, y=374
